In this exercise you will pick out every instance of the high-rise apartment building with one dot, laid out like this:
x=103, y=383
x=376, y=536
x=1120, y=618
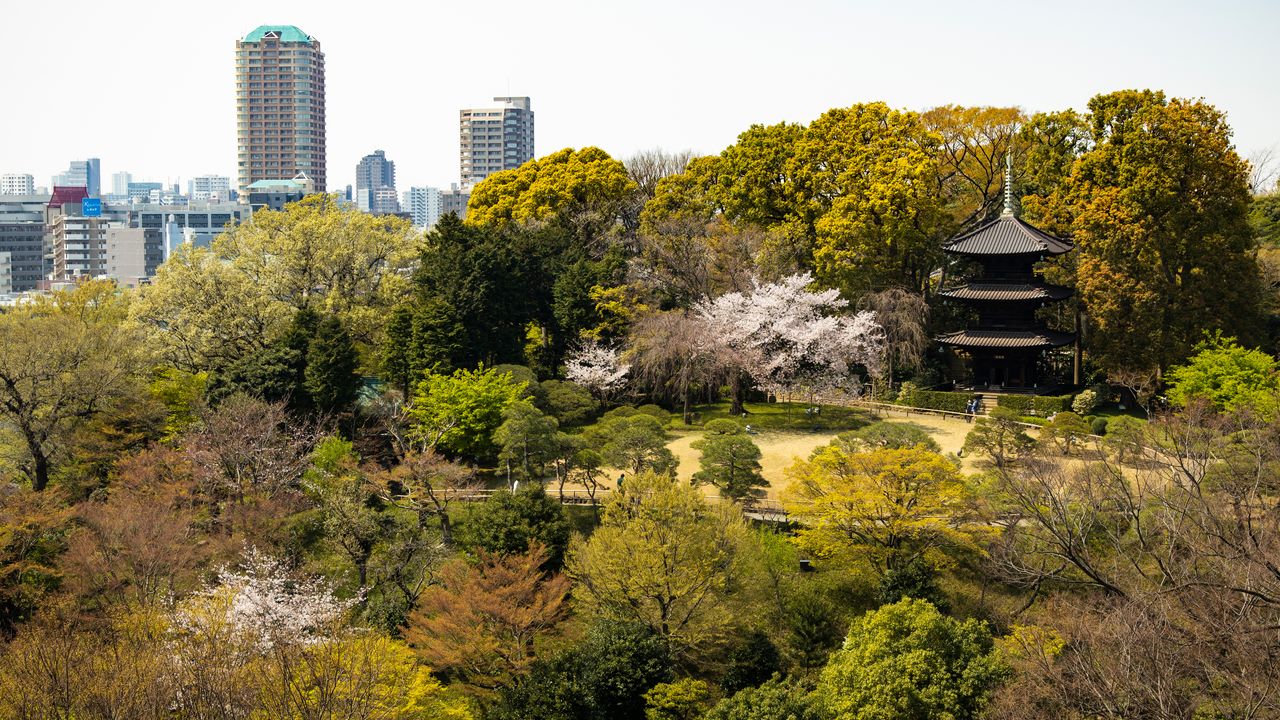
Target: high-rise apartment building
x=376, y=184
x=17, y=184
x=423, y=205
x=495, y=139
x=209, y=188
x=82, y=173
x=280, y=109
x=120, y=184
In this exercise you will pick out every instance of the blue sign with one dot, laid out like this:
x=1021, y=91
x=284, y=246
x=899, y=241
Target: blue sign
x=91, y=207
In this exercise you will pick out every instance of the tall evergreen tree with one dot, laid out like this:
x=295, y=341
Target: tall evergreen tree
x=330, y=378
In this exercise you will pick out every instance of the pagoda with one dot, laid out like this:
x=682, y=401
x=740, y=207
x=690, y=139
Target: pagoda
x=1007, y=346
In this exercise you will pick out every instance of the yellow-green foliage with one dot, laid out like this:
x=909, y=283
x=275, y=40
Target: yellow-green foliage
x=586, y=179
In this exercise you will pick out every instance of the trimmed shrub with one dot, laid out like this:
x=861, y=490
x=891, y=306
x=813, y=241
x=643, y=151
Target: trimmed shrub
x=934, y=399
x=1098, y=426
x=1038, y=405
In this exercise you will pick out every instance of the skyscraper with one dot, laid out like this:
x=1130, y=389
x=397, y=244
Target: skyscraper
x=82, y=173
x=494, y=139
x=280, y=109
x=376, y=184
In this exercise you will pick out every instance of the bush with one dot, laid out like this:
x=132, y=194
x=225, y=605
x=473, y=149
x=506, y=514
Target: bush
x=1036, y=405
x=1084, y=403
x=1098, y=426
x=933, y=399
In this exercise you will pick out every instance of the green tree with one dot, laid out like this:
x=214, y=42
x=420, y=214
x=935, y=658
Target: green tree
x=569, y=403
x=65, y=359
x=509, y=523
x=907, y=661
x=750, y=662
x=1228, y=377
x=774, y=700
x=209, y=306
x=460, y=412
x=1068, y=430
x=730, y=461
x=1156, y=271
x=665, y=558
x=330, y=379
x=529, y=441
x=1000, y=437
x=683, y=699
x=886, y=220
x=586, y=185
x=635, y=442
x=887, y=435
x=889, y=507
x=604, y=677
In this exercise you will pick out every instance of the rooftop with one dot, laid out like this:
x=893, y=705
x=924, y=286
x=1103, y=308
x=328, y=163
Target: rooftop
x=278, y=185
x=286, y=33
x=1007, y=235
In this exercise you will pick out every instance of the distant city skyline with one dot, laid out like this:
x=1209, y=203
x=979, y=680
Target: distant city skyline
x=624, y=77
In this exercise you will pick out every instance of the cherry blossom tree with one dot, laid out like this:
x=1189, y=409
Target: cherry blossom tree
x=790, y=340
x=597, y=367
x=265, y=604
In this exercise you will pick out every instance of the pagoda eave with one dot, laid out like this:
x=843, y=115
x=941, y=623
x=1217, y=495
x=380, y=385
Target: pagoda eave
x=1006, y=339
x=1006, y=292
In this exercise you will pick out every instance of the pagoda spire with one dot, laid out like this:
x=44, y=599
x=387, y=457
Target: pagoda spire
x=1008, y=185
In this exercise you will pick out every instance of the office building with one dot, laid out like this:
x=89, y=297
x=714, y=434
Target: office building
x=495, y=139
x=82, y=173
x=209, y=188
x=22, y=239
x=275, y=194
x=376, y=184
x=170, y=226
x=133, y=254
x=423, y=205
x=76, y=233
x=375, y=171
x=141, y=191
x=17, y=184
x=280, y=106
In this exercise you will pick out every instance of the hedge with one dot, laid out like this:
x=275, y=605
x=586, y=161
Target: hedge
x=935, y=399
x=1038, y=405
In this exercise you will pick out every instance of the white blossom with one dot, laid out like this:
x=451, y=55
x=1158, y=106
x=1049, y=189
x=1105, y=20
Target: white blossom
x=598, y=367
x=266, y=605
x=790, y=339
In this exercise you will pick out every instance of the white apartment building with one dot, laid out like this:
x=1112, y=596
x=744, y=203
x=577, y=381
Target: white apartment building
x=495, y=139
x=17, y=184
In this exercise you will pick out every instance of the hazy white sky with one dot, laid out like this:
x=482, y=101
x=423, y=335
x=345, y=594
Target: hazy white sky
x=148, y=86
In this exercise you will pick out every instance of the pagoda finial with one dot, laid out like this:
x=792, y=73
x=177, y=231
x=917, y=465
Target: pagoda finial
x=1008, y=184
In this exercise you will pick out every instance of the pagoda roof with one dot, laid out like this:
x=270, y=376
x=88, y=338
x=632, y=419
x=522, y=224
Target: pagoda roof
x=1007, y=339
x=1006, y=291
x=1007, y=235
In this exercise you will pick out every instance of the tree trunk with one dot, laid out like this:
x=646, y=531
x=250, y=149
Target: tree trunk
x=684, y=393
x=40, y=465
x=735, y=392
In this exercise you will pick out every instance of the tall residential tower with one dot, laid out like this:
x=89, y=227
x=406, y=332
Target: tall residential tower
x=494, y=139
x=280, y=106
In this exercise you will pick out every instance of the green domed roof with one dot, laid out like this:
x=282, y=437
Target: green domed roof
x=286, y=33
